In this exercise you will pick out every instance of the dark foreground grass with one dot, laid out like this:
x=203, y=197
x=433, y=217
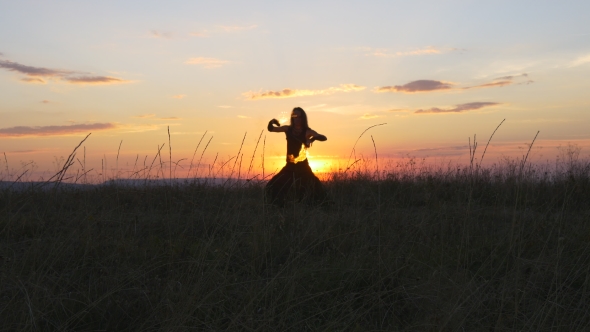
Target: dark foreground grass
x=439, y=251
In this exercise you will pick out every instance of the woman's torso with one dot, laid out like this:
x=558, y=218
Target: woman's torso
x=296, y=149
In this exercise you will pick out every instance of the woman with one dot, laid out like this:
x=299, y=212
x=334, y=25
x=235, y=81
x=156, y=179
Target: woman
x=297, y=171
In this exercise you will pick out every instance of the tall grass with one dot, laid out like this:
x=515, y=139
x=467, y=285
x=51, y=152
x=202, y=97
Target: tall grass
x=412, y=246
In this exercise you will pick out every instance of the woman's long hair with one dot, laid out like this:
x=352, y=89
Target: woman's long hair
x=303, y=118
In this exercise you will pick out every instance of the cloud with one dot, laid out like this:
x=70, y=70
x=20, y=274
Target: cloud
x=432, y=85
x=511, y=77
x=458, y=108
x=224, y=106
x=198, y=34
x=430, y=50
x=490, y=85
x=449, y=151
x=417, y=86
x=243, y=117
x=234, y=28
x=368, y=116
x=33, y=80
x=45, y=101
x=386, y=54
x=144, y=116
x=162, y=35
x=502, y=81
x=26, y=131
x=138, y=128
x=290, y=93
x=36, y=74
x=33, y=71
x=580, y=61
x=316, y=106
x=170, y=118
x=94, y=80
x=25, y=151
x=178, y=96
x=207, y=62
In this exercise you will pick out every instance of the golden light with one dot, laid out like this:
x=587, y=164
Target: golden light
x=319, y=165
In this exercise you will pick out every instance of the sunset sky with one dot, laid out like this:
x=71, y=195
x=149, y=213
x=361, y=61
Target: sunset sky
x=437, y=72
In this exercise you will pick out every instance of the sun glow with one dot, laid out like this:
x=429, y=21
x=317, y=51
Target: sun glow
x=319, y=165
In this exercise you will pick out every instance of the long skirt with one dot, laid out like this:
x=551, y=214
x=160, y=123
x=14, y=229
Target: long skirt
x=299, y=178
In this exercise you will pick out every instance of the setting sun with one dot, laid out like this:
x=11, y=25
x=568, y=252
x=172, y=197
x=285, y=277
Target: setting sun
x=320, y=165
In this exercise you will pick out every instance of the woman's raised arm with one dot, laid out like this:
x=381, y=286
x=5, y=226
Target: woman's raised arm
x=314, y=136
x=278, y=128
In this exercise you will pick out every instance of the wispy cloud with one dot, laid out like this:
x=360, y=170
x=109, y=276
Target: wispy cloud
x=388, y=54
x=448, y=151
x=458, y=108
x=45, y=101
x=498, y=84
x=37, y=74
x=222, y=29
x=153, y=116
x=224, y=106
x=433, y=85
x=503, y=81
x=290, y=93
x=199, y=34
x=511, y=77
x=235, y=28
x=26, y=131
x=243, y=117
x=138, y=128
x=144, y=116
x=178, y=96
x=96, y=80
x=25, y=151
x=580, y=61
x=207, y=62
x=160, y=34
x=417, y=86
x=368, y=116
x=33, y=80
x=33, y=71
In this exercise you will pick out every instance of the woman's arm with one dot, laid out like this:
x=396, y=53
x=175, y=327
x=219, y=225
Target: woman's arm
x=312, y=135
x=279, y=128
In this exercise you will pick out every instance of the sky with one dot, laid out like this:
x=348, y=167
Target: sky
x=434, y=73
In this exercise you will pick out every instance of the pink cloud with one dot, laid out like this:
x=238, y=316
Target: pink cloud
x=458, y=108
x=94, y=80
x=290, y=93
x=417, y=86
x=36, y=74
x=432, y=85
x=27, y=131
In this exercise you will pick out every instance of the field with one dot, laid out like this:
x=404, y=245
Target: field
x=408, y=248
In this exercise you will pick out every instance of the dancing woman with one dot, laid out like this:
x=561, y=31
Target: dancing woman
x=297, y=171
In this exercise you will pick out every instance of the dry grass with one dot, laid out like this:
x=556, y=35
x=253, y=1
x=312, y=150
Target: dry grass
x=409, y=247
x=503, y=248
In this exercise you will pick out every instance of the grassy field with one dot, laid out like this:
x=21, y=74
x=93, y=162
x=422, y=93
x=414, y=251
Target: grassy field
x=438, y=249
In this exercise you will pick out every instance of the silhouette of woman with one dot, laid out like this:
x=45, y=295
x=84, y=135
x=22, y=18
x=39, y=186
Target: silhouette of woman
x=296, y=172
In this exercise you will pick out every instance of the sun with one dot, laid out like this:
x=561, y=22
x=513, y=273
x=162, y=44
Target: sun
x=319, y=165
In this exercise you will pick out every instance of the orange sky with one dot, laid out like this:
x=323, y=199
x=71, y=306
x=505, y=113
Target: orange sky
x=435, y=73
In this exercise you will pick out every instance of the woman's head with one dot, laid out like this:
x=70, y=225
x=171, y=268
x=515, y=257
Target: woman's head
x=299, y=118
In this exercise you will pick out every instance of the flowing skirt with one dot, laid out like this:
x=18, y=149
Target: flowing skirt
x=299, y=178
